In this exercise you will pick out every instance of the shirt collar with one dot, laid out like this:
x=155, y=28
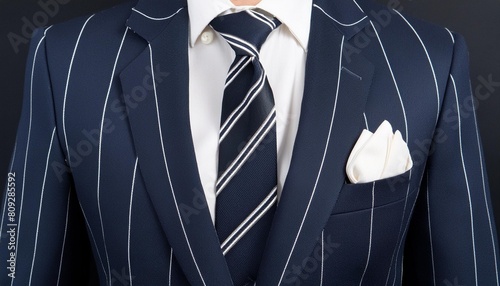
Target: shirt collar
x=294, y=14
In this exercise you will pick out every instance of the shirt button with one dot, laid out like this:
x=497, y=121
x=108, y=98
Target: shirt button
x=207, y=37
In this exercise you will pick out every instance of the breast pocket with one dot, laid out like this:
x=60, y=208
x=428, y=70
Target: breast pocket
x=356, y=197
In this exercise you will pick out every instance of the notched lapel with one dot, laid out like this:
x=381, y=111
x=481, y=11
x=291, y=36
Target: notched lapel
x=331, y=121
x=158, y=78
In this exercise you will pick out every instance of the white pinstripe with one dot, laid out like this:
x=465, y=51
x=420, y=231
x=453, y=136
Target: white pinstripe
x=337, y=21
x=430, y=234
x=466, y=178
x=322, y=257
x=322, y=162
x=41, y=204
x=451, y=35
x=154, y=18
x=100, y=153
x=360, y=9
x=371, y=218
x=27, y=143
x=167, y=169
x=428, y=59
x=366, y=121
x=64, y=238
x=5, y=196
x=130, y=220
x=393, y=79
x=95, y=243
x=402, y=257
x=488, y=212
x=437, y=112
x=170, y=268
x=400, y=243
x=14, y=155
x=371, y=235
x=406, y=136
x=66, y=89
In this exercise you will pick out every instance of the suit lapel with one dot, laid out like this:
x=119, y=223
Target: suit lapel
x=336, y=89
x=163, y=141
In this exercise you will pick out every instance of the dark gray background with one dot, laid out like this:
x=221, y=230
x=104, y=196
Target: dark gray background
x=478, y=21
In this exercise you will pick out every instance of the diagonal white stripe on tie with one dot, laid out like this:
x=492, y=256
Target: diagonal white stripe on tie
x=250, y=221
x=246, y=152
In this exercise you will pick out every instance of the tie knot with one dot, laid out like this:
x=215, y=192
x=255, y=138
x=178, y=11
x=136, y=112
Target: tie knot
x=245, y=31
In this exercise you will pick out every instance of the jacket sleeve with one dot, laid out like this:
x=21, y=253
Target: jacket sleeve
x=452, y=238
x=41, y=226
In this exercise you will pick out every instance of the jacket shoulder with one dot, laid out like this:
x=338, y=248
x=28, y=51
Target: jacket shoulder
x=410, y=39
x=87, y=47
x=111, y=21
x=391, y=19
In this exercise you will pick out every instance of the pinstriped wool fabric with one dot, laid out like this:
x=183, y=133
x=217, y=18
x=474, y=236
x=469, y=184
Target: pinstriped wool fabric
x=103, y=173
x=247, y=184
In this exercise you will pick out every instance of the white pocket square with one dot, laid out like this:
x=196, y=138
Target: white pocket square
x=378, y=155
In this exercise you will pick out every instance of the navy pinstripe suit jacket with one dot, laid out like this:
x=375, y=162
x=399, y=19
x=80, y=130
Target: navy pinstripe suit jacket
x=104, y=159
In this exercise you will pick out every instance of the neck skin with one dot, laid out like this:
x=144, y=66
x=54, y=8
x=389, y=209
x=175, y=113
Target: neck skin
x=245, y=2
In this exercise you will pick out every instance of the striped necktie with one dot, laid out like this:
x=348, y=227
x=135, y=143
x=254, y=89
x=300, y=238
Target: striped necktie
x=247, y=182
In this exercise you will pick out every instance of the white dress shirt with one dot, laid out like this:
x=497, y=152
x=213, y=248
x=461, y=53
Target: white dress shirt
x=283, y=56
